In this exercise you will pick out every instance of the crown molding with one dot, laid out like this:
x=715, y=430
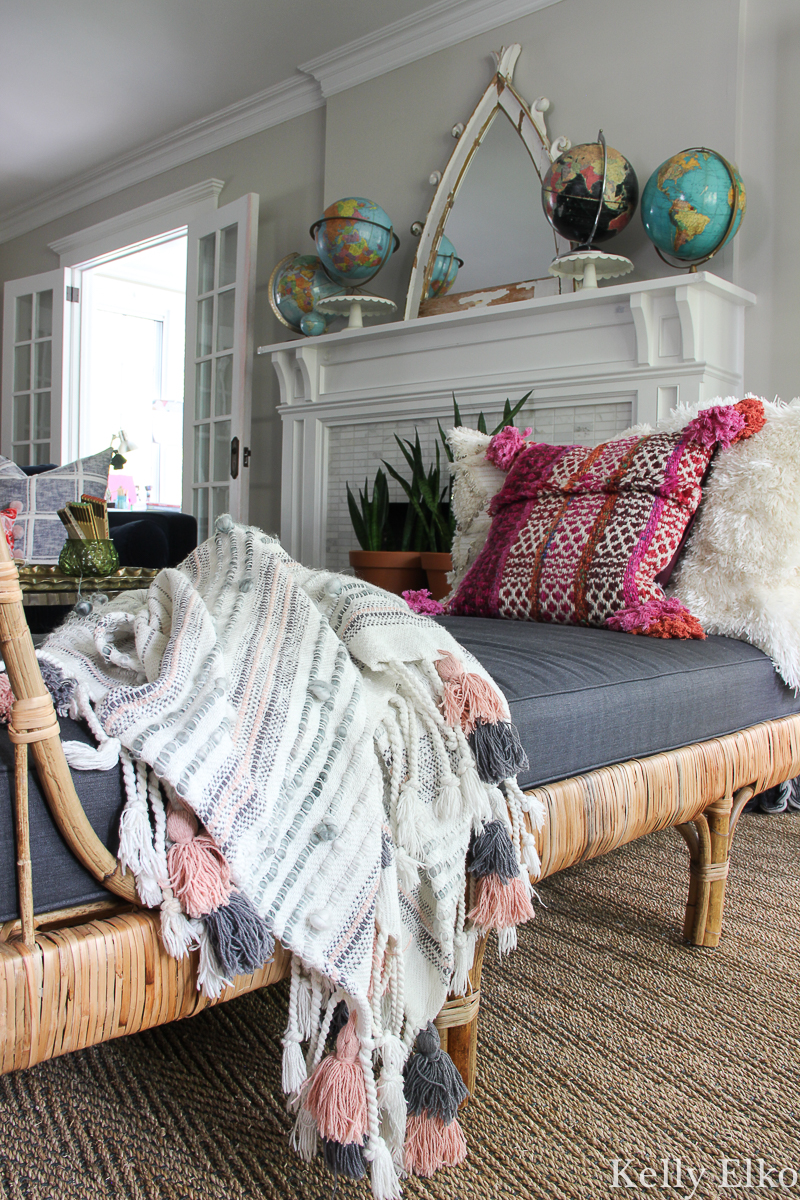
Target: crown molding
x=436, y=28
x=180, y=207
x=442, y=24
x=276, y=104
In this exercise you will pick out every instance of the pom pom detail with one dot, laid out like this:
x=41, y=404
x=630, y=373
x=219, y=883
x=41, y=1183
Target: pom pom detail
x=721, y=424
x=666, y=618
x=422, y=602
x=505, y=446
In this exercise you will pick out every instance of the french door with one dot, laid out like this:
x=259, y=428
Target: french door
x=33, y=359
x=41, y=372
x=220, y=297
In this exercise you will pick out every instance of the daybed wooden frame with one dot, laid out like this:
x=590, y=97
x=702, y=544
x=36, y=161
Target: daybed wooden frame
x=74, y=978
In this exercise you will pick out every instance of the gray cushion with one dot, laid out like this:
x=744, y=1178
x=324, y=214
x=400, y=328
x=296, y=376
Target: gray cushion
x=581, y=698
x=585, y=698
x=59, y=881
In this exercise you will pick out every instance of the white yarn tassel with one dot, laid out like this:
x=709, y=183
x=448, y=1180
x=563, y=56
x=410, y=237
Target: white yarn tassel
x=136, y=849
x=177, y=931
x=407, y=869
x=529, y=804
x=293, y=1072
x=506, y=940
x=304, y=1135
x=464, y=947
x=78, y=754
x=448, y=801
x=304, y=1027
x=383, y=1176
x=391, y=1099
x=530, y=855
x=83, y=758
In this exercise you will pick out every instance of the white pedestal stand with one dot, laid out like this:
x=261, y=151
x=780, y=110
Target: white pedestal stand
x=355, y=306
x=590, y=265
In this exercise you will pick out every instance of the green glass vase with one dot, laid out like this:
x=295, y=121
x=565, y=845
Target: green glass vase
x=88, y=558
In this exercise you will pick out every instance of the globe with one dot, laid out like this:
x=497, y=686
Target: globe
x=314, y=323
x=354, y=238
x=571, y=194
x=693, y=204
x=296, y=285
x=446, y=266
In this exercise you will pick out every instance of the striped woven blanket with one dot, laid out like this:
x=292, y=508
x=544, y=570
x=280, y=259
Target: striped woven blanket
x=308, y=760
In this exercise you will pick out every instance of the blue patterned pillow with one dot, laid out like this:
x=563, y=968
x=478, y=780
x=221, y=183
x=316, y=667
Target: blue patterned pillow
x=38, y=532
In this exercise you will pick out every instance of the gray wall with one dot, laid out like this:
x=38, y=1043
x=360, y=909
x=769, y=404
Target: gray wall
x=657, y=75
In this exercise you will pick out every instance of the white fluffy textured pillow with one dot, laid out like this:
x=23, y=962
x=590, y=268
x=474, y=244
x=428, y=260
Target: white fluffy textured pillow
x=740, y=573
x=475, y=481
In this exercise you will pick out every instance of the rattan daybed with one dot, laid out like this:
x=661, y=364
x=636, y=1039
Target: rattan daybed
x=82, y=975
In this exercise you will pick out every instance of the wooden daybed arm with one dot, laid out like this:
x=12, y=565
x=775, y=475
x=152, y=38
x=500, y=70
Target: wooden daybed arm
x=26, y=682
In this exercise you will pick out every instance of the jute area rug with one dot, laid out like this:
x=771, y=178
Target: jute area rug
x=603, y=1038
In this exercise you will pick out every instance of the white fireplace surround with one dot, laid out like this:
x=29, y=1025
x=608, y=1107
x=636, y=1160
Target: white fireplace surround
x=621, y=354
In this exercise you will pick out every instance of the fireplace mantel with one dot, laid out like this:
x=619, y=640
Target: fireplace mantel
x=643, y=345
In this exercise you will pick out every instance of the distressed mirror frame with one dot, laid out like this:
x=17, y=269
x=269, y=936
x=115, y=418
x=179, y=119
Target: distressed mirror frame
x=531, y=128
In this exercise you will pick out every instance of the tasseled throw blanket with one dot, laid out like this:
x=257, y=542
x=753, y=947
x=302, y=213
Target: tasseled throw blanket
x=306, y=759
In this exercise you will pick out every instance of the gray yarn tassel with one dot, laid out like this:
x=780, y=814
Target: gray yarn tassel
x=498, y=750
x=491, y=853
x=341, y=1015
x=60, y=689
x=432, y=1083
x=345, y=1159
x=242, y=941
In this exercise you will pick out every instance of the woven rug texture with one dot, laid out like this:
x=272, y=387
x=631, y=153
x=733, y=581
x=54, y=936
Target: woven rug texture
x=603, y=1037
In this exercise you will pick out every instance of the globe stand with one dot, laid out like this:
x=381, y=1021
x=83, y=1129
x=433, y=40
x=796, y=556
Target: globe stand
x=588, y=266
x=355, y=306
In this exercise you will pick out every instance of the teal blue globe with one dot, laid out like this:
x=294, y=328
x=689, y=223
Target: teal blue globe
x=693, y=204
x=445, y=268
x=295, y=286
x=354, y=238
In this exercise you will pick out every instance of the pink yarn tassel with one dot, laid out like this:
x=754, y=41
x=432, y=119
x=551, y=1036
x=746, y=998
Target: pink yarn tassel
x=198, y=873
x=499, y=904
x=467, y=698
x=431, y=1144
x=337, y=1094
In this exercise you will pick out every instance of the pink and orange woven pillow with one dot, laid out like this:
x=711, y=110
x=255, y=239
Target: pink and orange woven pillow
x=579, y=535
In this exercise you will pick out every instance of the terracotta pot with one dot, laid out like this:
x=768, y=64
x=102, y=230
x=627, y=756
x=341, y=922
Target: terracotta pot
x=436, y=566
x=393, y=570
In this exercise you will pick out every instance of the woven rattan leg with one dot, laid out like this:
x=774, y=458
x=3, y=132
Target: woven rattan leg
x=709, y=838
x=458, y=1023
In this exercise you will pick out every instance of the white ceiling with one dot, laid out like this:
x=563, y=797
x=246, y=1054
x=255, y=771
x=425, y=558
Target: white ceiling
x=84, y=81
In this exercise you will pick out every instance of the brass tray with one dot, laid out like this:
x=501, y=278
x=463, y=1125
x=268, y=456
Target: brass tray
x=39, y=581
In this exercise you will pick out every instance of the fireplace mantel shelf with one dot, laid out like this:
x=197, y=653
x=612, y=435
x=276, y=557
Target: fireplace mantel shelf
x=648, y=344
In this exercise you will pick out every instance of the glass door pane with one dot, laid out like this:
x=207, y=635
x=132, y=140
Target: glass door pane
x=221, y=281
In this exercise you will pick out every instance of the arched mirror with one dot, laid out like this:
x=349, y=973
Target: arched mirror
x=497, y=227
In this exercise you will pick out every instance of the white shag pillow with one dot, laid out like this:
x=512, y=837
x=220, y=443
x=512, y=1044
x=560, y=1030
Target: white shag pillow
x=740, y=572
x=475, y=481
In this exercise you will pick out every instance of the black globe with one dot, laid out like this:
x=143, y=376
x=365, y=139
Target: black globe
x=571, y=193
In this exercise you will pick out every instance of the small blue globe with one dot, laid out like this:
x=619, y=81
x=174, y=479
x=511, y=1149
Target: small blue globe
x=354, y=238
x=445, y=268
x=688, y=204
x=312, y=324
